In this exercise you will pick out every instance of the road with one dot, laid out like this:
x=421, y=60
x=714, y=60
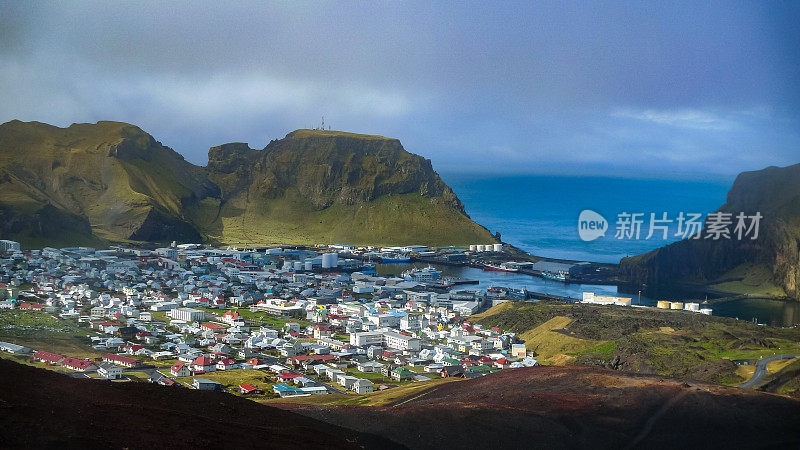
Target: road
x=761, y=369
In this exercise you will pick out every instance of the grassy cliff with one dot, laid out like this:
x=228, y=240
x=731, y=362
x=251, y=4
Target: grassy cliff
x=111, y=181
x=328, y=186
x=767, y=266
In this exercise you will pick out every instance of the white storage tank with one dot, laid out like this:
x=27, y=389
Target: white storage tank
x=498, y=247
x=309, y=265
x=330, y=260
x=298, y=265
x=489, y=247
x=287, y=265
x=479, y=248
x=473, y=247
x=692, y=307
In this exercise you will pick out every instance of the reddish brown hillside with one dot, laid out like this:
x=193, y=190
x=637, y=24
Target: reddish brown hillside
x=577, y=407
x=43, y=409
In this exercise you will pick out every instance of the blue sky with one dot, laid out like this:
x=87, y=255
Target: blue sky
x=652, y=89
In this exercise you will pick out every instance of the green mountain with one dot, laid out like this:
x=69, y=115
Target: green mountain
x=767, y=266
x=111, y=181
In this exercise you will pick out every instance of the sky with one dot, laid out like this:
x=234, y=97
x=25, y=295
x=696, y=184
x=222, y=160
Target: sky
x=666, y=89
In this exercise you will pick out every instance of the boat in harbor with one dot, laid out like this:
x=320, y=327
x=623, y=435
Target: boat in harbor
x=459, y=280
x=496, y=292
x=425, y=275
x=503, y=267
x=395, y=259
x=556, y=276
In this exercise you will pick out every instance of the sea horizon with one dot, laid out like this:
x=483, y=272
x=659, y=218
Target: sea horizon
x=539, y=213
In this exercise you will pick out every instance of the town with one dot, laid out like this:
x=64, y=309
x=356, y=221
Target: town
x=270, y=322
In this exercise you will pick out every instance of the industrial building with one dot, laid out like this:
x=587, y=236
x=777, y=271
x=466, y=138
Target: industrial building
x=9, y=246
x=589, y=297
x=187, y=314
x=388, y=339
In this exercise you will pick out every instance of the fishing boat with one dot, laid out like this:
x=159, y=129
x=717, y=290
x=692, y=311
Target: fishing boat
x=445, y=283
x=556, y=276
x=395, y=258
x=495, y=292
x=425, y=275
x=504, y=267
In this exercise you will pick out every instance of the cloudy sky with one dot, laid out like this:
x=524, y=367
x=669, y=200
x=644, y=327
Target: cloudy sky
x=667, y=89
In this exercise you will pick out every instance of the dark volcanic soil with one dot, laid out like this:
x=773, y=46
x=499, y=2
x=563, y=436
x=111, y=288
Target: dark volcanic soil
x=43, y=409
x=577, y=407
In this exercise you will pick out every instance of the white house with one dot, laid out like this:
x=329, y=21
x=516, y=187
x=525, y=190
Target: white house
x=362, y=386
x=401, y=341
x=180, y=370
x=109, y=371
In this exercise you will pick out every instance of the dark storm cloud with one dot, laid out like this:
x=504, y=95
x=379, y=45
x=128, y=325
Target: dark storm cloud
x=627, y=88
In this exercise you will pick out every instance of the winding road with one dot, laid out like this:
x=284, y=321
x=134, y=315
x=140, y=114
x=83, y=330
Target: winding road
x=761, y=369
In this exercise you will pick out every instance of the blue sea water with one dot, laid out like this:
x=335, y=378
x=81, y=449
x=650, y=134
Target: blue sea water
x=539, y=214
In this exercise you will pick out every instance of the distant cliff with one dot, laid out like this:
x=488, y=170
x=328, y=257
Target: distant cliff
x=769, y=265
x=112, y=181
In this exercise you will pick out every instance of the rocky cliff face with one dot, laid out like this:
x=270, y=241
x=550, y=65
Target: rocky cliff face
x=775, y=193
x=327, y=168
x=334, y=186
x=114, y=181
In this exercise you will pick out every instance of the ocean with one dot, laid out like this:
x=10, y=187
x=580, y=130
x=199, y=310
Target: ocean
x=539, y=214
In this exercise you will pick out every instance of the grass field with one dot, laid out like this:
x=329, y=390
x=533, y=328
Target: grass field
x=235, y=377
x=548, y=343
x=42, y=331
x=268, y=319
x=22, y=359
x=231, y=379
x=777, y=366
x=387, y=220
x=393, y=396
x=645, y=340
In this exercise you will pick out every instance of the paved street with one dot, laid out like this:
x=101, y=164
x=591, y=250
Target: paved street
x=761, y=370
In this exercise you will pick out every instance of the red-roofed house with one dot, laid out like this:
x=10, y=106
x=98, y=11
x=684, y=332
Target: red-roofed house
x=297, y=360
x=143, y=334
x=226, y=364
x=253, y=361
x=285, y=376
x=80, y=365
x=204, y=364
x=34, y=306
x=386, y=356
x=502, y=363
x=132, y=349
x=120, y=360
x=233, y=318
x=212, y=326
x=249, y=389
x=47, y=357
x=103, y=326
x=180, y=370
x=322, y=331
